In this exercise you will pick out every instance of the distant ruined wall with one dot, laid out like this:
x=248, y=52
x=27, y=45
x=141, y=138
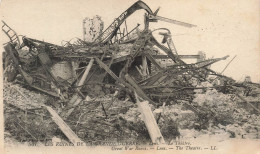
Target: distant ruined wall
x=202, y=56
x=92, y=28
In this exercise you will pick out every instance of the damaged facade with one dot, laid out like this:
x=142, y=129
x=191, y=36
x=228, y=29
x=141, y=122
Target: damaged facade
x=109, y=71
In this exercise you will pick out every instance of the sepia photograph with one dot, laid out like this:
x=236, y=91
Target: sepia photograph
x=136, y=76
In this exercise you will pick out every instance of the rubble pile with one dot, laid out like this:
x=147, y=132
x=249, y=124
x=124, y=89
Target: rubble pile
x=24, y=118
x=211, y=112
x=116, y=85
x=223, y=112
x=16, y=95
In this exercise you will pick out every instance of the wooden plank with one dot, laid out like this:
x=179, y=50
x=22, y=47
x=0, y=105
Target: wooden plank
x=160, y=80
x=121, y=83
x=11, y=50
x=155, y=79
x=150, y=122
x=243, y=99
x=44, y=59
x=120, y=59
x=180, y=56
x=76, y=99
x=138, y=89
x=105, y=67
x=45, y=91
x=63, y=126
x=109, y=65
x=165, y=49
x=84, y=76
x=110, y=72
x=144, y=65
x=71, y=108
x=150, y=57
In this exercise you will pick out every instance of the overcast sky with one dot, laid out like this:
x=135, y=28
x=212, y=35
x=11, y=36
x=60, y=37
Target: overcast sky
x=223, y=27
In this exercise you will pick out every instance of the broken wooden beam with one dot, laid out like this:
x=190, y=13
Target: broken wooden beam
x=150, y=57
x=106, y=68
x=150, y=122
x=63, y=126
x=112, y=74
x=165, y=49
x=144, y=66
x=10, y=49
x=180, y=56
x=77, y=98
x=84, y=76
x=138, y=89
x=109, y=65
x=244, y=100
x=180, y=87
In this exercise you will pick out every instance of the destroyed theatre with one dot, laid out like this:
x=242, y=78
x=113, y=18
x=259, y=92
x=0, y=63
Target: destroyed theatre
x=90, y=84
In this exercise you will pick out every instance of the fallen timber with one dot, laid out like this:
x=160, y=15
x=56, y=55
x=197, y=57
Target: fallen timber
x=129, y=66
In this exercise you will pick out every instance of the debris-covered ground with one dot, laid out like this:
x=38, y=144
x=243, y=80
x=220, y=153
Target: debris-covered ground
x=210, y=112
